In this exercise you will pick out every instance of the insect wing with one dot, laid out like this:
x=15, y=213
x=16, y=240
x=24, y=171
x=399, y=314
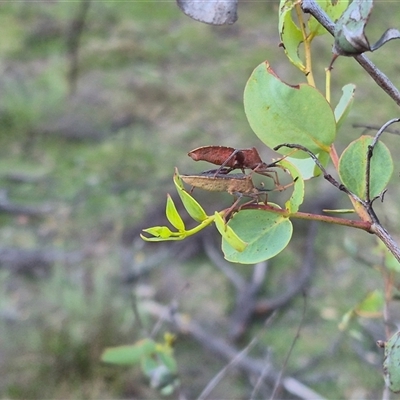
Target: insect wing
x=217, y=155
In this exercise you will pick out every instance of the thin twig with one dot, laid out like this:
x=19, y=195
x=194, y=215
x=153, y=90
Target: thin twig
x=73, y=40
x=215, y=256
x=327, y=176
x=301, y=281
x=311, y=7
x=369, y=127
x=220, y=347
x=221, y=374
x=370, y=153
x=376, y=226
x=278, y=381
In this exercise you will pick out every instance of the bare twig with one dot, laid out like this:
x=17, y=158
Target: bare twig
x=369, y=127
x=369, y=157
x=215, y=256
x=221, y=374
x=246, y=301
x=278, y=380
x=311, y=7
x=221, y=348
x=268, y=305
x=376, y=226
x=327, y=176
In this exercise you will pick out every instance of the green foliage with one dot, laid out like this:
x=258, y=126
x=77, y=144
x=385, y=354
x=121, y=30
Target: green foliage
x=279, y=113
x=156, y=360
x=349, y=33
x=243, y=237
x=293, y=34
x=267, y=234
x=353, y=167
x=392, y=362
x=344, y=106
x=98, y=187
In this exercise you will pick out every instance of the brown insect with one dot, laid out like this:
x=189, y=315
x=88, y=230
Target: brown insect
x=229, y=159
x=228, y=156
x=235, y=184
x=238, y=185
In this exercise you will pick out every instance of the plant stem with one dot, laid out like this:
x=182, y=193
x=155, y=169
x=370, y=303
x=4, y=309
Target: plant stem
x=311, y=7
x=307, y=47
x=384, y=235
x=363, y=225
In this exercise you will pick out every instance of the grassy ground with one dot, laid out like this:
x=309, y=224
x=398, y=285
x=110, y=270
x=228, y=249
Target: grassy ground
x=152, y=85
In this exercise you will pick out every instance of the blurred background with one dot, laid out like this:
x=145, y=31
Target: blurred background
x=99, y=101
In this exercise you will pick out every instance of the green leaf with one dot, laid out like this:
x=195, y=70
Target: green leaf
x=305, y=166
x=161, y=232
x=228, y=234
x=266, y=232
x=194, y=209
x=279, y=113
x=297, y=197
x=130, y=354
x=353, y=164
x=391, y=363
x=291, y=36
x=349, y=32
x=173, y=216
x=333, y=9
x=349, y=29
x=371, y=306
x=169, y=361
x=344, y=106
x=149, y=363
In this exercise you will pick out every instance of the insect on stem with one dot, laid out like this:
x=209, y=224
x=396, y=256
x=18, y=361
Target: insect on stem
x=230, y=159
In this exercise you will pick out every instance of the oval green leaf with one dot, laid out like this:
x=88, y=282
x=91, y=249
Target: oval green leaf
x=290, y=33
x=279, y=113
x=344, y=106
x=194, y=209
x=391, y=364
x=130, y=354
x=349, y=29
x=353, y=165
x=229, y=234
x=333, y=9
x=267, y=234
x=160, y=232
x=173, y=216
